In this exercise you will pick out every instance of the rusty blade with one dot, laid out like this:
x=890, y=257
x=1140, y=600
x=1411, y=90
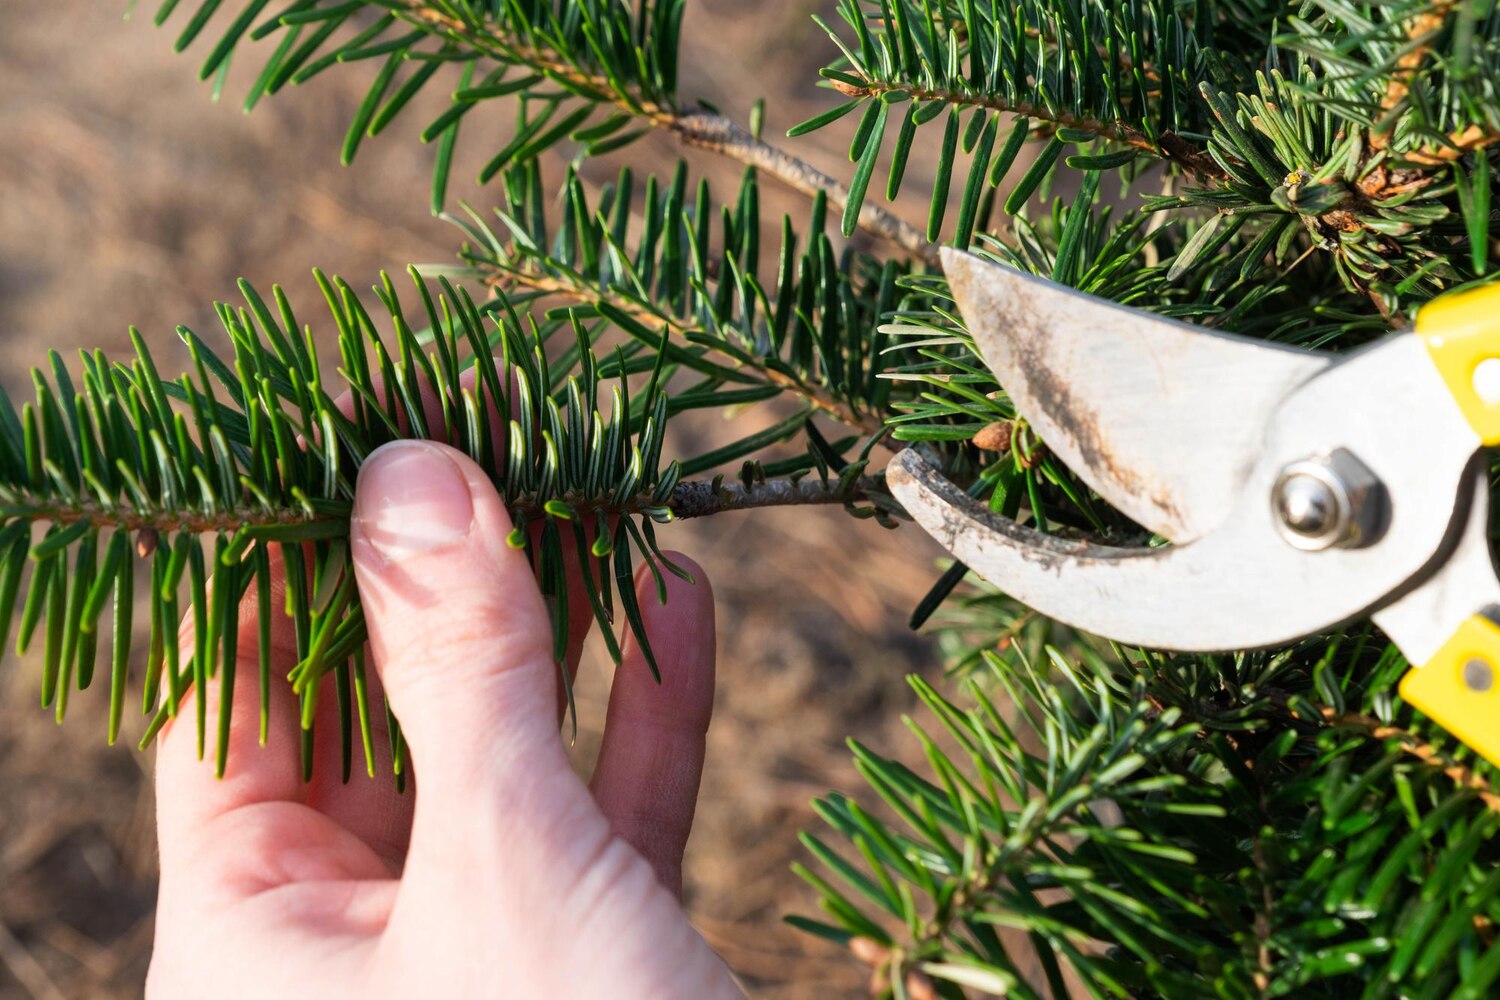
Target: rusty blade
x=1164, y=419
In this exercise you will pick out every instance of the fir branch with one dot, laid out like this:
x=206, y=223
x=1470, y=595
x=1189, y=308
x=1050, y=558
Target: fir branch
x=1420, y=29
x=575, y=289
x=597, y=58
x=150, y=524
x=698, y=128
x=509, y=41
x=1170, y=146
x=1416, y=74
x=253, y=454
x=990, y=845
x=1057, y=63
x=688, y=499
x=1239, y=825
x=696, y=275
x=1195, y=905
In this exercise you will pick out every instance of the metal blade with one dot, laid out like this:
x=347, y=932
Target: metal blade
x=1164, y=419
x=1243, y=585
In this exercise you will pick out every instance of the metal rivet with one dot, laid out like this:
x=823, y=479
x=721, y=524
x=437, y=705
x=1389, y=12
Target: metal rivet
x=1478, y=675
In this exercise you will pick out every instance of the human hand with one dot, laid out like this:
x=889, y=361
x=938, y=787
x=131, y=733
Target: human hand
x=506, y=875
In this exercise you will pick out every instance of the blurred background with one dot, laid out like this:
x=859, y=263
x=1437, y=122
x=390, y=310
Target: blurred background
x=128, y=198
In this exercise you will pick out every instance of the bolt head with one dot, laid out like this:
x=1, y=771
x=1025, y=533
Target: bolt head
x=1329, y=500
x=1307, y=506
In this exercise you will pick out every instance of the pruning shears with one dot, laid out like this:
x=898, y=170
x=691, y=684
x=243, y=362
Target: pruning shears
x=1299, y=489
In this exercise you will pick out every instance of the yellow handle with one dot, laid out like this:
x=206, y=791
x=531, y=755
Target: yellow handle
x=1462, y=334
x=1459, y=688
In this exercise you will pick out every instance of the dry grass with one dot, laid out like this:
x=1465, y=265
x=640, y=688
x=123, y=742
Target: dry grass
x=127, y=198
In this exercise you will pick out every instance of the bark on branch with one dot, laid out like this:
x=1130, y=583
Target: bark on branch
x=701, y=499
x=704, y=130
x=692, y=498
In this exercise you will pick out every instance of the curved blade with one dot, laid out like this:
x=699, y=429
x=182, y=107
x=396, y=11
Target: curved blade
x=1237, y=588
x=1242, y=584
x=1164, y=419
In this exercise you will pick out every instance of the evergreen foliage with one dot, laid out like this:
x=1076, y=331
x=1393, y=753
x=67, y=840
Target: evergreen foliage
x=1089, y=820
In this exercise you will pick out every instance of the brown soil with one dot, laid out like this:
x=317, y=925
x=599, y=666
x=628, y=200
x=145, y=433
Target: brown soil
x=126, y=197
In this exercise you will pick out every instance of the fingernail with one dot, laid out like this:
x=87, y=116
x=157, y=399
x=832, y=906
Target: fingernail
x=411, y=498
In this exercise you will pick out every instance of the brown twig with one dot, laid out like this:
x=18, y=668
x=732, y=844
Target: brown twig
x=1457, y=144
x=691, y=498
x=704, y=130
x=1423, y=751
x=1173, y=147
x=1420, y=32
x=702, y=499
x=152, y=524
x=1264, y=917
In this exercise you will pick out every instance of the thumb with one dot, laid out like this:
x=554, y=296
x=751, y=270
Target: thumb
x=457, y=626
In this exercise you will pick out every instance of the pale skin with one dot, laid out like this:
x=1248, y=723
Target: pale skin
x=503, y=874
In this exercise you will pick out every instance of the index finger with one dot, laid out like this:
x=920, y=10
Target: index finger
x=189, y=796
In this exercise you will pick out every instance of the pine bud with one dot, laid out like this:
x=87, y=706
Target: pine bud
x=145, y=542
x=919, y=986
x=849, y=89
x=994, y=437
x=869, y=951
